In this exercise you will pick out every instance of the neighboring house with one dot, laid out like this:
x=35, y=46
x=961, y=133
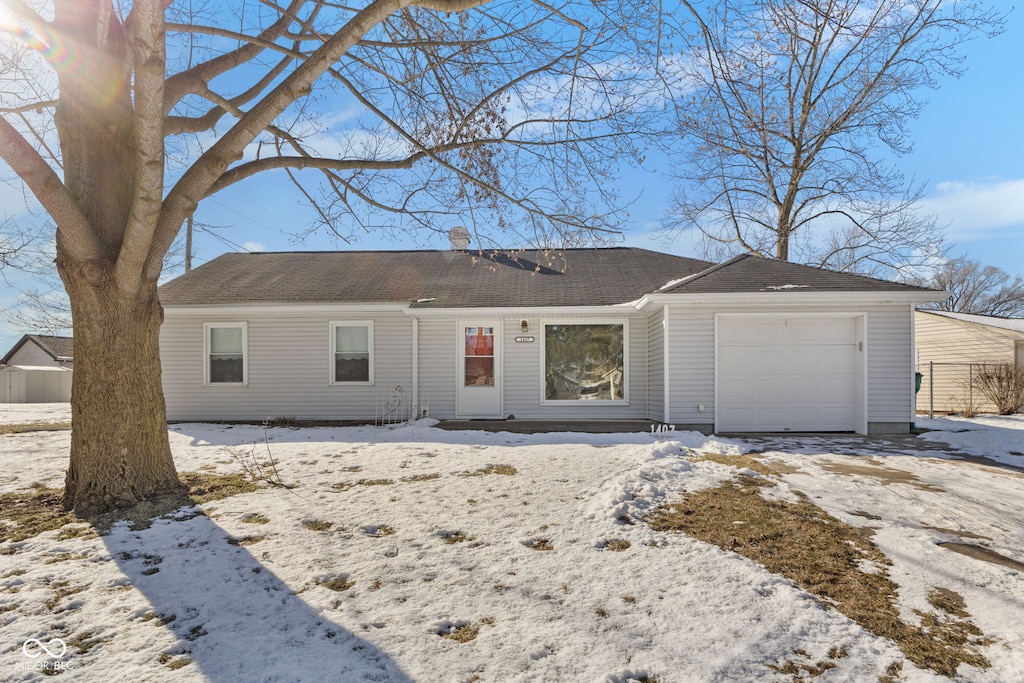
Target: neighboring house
x=37, y=370
x=576, y=334
x=949, y=343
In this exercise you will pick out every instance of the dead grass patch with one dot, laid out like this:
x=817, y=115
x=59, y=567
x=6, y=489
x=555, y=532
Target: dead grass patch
x=539, y=544
x=422, y=477
x=821, y=554
x=616, y=544
x=246, y=540
x=172, y=662
x=61, y=590
x=506, y=470
x=337, y=583
x=34, y=427
x=317, y=524
x=460, y=633
x=204, y=487
x=33, y=512
x=255, y=518
x=453, y=537
x=64, y=557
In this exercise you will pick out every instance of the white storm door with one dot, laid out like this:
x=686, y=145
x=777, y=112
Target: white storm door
x=479, y=370
x=779, y=374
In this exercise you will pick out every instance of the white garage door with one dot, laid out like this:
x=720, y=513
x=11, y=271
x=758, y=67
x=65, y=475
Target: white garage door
x=780, y=374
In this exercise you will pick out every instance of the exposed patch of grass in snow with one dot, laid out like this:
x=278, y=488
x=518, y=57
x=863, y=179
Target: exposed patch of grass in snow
x=422, y=477
x=204, y=487
x=172, y=662
x=33, y=512
x=802, y=667
x=33, y=427
x=61, y=590
x=462, y=632
x=255, y=518
x=246, y=540
x=616, y=544
x=453, y=537
x=507, y=470
x=821, y=554
x=317, y=524
x=539, y=544
x=337, y=583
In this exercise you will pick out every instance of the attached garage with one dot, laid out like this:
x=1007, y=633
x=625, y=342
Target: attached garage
x=782, y=373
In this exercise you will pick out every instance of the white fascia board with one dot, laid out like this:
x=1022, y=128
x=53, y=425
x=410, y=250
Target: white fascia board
x=614, y=311
x=279, y=309
x=791, y=298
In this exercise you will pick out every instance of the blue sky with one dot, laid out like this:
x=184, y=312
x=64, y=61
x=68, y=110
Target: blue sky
x=968, y=152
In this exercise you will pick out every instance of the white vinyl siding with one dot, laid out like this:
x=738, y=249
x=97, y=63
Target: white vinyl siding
x=438, y=367
x=287, y=352
x=656, y=366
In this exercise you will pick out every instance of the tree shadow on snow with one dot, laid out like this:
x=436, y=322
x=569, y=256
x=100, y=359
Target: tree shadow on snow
x=233, y=618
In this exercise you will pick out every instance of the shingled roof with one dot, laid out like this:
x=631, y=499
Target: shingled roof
x=432, y=279
x=749, y=273
x=466, y=278
x=58, y=348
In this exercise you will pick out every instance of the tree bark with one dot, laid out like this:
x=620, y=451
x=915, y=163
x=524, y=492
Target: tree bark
x=120, y=453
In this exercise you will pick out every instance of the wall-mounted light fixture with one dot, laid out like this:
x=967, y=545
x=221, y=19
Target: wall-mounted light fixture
x=524, y=326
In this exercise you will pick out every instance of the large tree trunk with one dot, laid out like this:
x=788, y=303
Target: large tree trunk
x=120, y=454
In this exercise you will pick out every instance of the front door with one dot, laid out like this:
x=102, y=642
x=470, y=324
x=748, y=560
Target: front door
x=479, y=380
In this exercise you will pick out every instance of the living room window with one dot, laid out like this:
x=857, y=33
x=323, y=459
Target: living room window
x=585, y=362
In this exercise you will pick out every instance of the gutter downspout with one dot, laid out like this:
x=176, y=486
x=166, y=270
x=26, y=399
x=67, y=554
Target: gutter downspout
x=415, y=368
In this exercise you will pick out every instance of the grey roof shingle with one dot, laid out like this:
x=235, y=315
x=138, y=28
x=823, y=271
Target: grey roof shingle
x=58, y=348
x=749, y=273
x=457, y=279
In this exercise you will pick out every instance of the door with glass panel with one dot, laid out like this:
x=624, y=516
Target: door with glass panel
x=479, y=370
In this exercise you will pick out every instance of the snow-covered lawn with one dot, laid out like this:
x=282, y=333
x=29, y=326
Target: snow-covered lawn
x=390, y=538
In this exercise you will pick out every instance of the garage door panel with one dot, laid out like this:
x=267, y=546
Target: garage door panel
x=787, y=374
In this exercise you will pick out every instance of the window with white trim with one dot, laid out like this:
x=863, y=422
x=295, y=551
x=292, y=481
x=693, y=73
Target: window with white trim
x=225, y=353
x=352, y=352
x=585, y=362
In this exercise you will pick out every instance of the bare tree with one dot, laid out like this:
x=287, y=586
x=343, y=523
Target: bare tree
x=974, y=288
x=506, y=112
x=785, y=109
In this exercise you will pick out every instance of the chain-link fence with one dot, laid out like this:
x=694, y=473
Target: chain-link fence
x=951, y=388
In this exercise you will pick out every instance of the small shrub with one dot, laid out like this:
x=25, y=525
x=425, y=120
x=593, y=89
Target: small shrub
x=1002, y=384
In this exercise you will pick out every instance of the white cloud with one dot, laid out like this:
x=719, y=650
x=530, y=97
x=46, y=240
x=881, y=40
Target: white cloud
x=254, y=246
x=977, y=209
